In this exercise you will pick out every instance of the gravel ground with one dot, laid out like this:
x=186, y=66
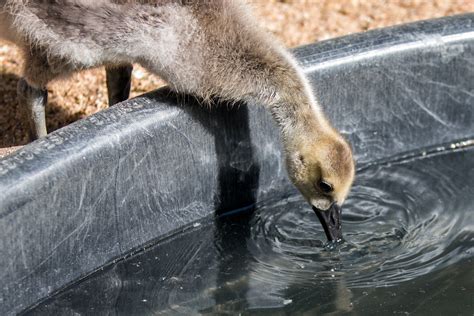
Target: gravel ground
x=294, y=22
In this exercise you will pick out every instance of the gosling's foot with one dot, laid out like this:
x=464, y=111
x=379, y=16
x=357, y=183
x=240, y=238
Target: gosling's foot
x=33, y=101
x=118, y=83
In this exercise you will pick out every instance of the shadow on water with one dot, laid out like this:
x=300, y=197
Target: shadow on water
x=238, y=179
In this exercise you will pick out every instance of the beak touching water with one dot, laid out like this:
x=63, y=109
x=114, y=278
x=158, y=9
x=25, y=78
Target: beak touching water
x=331, y=222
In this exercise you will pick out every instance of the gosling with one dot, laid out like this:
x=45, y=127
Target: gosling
x=209, y=49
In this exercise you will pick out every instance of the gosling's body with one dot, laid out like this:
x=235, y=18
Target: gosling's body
x=211, y=48
x=206, y=48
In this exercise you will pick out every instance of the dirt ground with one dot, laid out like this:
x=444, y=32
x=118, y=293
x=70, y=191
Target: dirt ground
x=294, y=22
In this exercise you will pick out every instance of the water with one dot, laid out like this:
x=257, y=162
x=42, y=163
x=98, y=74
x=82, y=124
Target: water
x=409, y=231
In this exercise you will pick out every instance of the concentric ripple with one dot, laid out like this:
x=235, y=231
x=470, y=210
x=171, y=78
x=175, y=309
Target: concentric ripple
x=400, y=222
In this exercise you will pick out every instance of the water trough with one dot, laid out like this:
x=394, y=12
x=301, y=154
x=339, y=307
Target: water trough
x=116, y=212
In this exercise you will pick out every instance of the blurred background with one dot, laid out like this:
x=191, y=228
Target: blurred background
x=295, y=22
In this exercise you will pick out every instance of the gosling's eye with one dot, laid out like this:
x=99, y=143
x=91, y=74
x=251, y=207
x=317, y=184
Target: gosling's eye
x=325, y=187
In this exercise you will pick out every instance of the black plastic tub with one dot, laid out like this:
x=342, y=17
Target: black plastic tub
x=117, y=213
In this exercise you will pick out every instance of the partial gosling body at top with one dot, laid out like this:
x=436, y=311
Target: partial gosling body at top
x=210, y=49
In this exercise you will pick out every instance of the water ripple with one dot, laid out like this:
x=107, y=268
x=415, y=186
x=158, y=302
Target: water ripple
x=399, y=223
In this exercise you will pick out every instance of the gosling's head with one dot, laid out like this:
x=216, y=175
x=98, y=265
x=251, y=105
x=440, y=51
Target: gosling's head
x=322, y=168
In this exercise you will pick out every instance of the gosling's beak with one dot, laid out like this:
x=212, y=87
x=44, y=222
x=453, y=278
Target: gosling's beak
x=331, y=221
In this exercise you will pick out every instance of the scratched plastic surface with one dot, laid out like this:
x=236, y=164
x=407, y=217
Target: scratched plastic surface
x=409, y=230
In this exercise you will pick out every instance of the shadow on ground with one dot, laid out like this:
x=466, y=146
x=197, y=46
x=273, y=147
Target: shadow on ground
x=13, y=128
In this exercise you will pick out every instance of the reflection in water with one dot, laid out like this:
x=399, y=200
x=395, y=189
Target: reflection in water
x=409, y=234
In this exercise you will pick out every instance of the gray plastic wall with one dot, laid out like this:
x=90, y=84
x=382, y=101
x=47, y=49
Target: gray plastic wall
x=102, y=187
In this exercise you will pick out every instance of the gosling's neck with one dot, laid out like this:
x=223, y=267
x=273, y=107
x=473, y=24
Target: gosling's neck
x=294, y=108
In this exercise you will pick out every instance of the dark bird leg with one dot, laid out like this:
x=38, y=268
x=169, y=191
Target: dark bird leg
x=33, y=102
x=118, y=83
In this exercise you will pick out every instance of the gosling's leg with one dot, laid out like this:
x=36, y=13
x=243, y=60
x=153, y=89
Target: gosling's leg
x=33, y=102
x=118, y=83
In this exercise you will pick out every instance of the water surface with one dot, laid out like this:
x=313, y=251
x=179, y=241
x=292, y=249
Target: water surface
x=409, y=231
